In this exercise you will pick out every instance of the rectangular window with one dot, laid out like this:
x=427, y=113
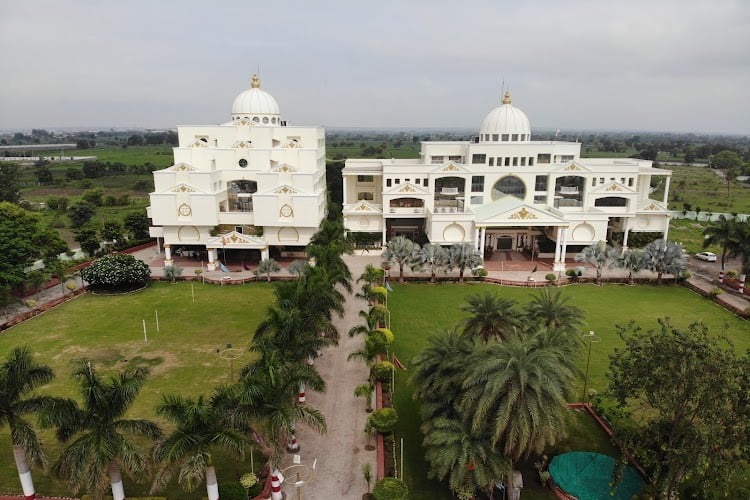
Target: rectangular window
x=365, y=178
x=541, y=183
x=601, y=180
x=476, y=200
x=407, y=180
x=565, y=158
x=593, y=181
x=507, y=161
x=495, y=137
x=543, y=158
x=437, y=159
x=630, y=182
x=478, y=158
x=459, y=159
x=365, y=195
x=417, y=181
x=540, y=199
x=492, y=162
x=514, y=137
x=515, y=161
x=523, y=161
x=504, y=137
x=622, y=180
x=477, y=183
x=424, y=182
x=388, y=183
x=531, y=161
x=398, y=181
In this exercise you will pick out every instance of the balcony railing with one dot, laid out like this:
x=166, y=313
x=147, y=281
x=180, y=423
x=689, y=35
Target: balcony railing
x=406, y=210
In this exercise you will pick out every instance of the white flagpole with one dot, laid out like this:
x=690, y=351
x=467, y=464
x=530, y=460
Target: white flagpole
x=145, y=335
x=192, y=291
x=157, y=320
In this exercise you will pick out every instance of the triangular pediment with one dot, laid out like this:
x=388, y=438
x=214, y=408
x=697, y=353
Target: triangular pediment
x=285, y=189
x=199, y=143
x=509, y=210
x=283, y=168
x=363, y=207
x=407, y=188
x=242, y=145
x=233, y=239
x=613, y=188
x=181, y=167
x=450, y=167
x=573, y=167
x=652, y=206
x=184, y=188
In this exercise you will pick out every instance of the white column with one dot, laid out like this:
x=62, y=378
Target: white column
x=482, y=236
x=476, y=239
x=558, y=241
x=625, y=237
x=264, y=253
x=666, y=191
x=385, y=227
x=211, y=259
x=167, y=255
x=344, y=178
x=666, y=230
x=564, y=246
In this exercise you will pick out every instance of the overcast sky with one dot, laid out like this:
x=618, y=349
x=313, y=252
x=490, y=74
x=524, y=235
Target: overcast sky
x=651, y=65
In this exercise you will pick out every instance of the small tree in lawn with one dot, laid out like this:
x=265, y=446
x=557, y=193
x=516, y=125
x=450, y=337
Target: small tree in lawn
x=633, y=261
x=600, y=255
x=400, y=250
x=462, y=255
x=664, y=257
x=117, y=272
x=432, y=257
x=267, y=266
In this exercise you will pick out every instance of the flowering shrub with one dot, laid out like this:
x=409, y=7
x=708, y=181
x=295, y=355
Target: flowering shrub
x=116, y=272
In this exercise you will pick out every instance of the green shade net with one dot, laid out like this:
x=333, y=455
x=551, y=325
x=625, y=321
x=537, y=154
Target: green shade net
x=588, y=475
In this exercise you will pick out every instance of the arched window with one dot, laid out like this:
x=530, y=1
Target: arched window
x=510, y=185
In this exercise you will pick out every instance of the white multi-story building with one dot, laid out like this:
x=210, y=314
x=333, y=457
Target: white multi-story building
x=248, y=184
x=503, y=191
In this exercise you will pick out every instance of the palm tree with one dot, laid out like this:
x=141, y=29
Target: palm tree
x=373, y=318
x=400, y=250
x=739, y=244
x=463, y=457
x=267, y=266
x=720, y=233
x=327, y=247
x=600, y=255
x=298, y=268
x=633, y=261
x=100, y=446
x=491, y=316
x=433, y=257
x=19, y=376
x=463, y=255
x=664, y=257
x=201, y=427
x=519, y=390
x=372, y=275
x=365, y=391
x=553, y=310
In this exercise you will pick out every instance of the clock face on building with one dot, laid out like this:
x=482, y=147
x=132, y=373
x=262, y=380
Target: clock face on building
x=184, y=210
x=286, y=211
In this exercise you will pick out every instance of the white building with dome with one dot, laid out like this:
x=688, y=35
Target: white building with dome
x=503, y=191
x=244, y=186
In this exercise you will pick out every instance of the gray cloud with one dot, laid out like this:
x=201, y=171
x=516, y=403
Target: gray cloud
x=636, y=65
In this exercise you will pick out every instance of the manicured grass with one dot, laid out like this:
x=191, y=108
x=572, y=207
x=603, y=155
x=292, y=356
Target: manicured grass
x=420, y=310
x=108, y=330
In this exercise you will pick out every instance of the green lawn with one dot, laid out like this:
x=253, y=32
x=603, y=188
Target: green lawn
x=419, y=310
x=108, y=330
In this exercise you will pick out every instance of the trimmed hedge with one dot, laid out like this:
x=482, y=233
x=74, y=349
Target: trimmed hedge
x=390, y=488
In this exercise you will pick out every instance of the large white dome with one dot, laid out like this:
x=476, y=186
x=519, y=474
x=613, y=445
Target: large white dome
x=505, y=123
x=256, y=106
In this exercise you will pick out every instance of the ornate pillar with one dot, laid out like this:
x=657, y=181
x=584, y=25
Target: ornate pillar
x=482, y=236
x=211, y=259
x=168, y=255
x=264, y=253
x=385, y=228
x=666, y=230
x=564, y=246
x=625, y=237
x=666, y=191
x=557, y=265
x=476, y=239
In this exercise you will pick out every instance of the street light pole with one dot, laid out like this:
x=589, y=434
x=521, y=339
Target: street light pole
x=592, y=338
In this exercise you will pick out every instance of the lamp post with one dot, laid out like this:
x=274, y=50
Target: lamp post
x=591, y=338
x=303, y=473
x=230, y=354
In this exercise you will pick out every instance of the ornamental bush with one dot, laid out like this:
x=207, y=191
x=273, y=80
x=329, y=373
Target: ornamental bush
x=390, y=488
x=551, y=277
x=383, y=420
x=382, y=371
x=117, y=272
x=232, y=491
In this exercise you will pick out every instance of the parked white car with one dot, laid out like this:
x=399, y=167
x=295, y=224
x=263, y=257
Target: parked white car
x=707, y=256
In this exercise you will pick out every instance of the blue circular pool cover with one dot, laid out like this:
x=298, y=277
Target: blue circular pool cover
x=589, y=476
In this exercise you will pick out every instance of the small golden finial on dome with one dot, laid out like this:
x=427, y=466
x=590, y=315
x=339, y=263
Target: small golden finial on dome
x=506, y=99
x=256, y=82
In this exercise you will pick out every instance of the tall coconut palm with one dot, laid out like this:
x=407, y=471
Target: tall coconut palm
x=600, y=255
x=739, y=244
x=552, y=309
x=491, y=316
x=202, y=426
x=519, y=389
x=664, y=257
x=720, y=233
x=461, y=256
x=19, y=376
x=633, y=261
x=432, y=257
x=101, y=444
x=372, y=275
x=327, y=246
x=400, y=250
